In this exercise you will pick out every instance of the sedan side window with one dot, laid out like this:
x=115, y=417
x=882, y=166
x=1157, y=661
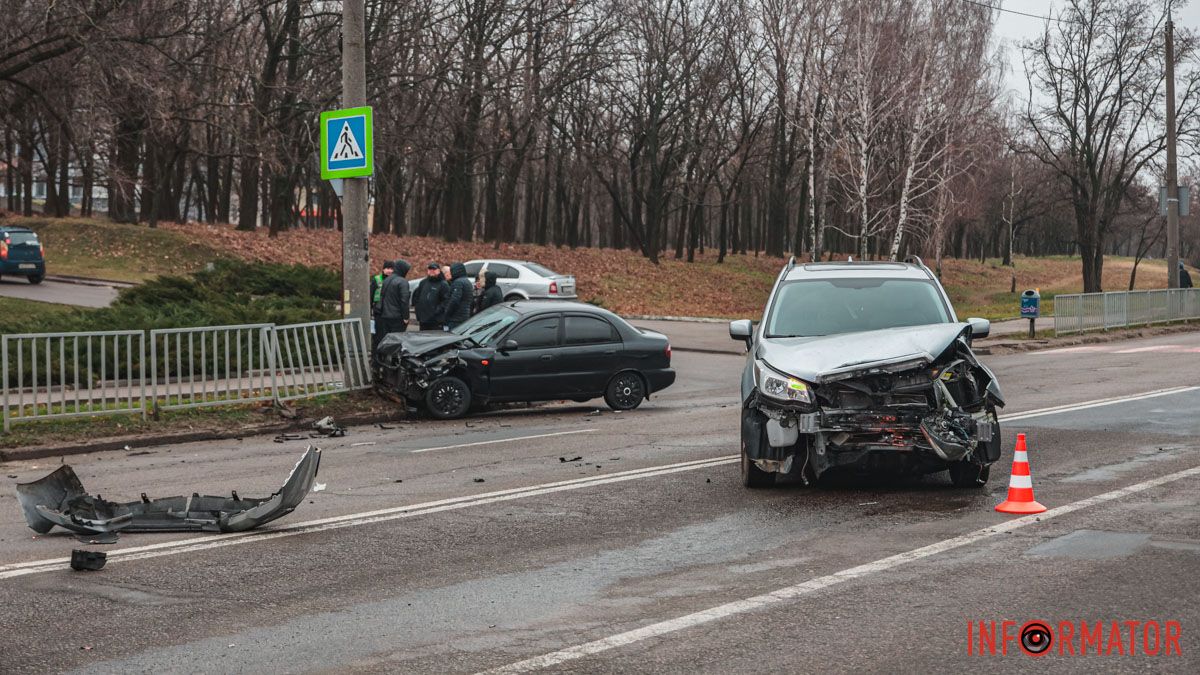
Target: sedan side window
x=537, y=334
x=589, y=330
x=473, y=269
x=503, y=271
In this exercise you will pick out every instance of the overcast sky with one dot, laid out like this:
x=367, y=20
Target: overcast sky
x=1012, y=29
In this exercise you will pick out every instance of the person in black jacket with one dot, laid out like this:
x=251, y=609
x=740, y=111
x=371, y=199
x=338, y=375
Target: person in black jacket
x=429, y=297
x=457, y=308
x=492, y=295
x=394, y=302
x=1185, y=279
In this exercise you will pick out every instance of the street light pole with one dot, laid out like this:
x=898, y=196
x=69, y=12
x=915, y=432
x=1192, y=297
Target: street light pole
x=1172, y=177
x=355, y=257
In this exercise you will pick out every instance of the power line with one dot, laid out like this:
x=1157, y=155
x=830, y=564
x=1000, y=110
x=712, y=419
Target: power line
x=1012, y=11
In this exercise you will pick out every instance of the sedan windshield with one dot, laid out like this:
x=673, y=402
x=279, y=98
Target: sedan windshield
x=486, y=325
x=834, y=306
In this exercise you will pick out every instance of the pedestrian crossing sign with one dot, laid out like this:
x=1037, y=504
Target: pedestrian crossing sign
x=347, y=146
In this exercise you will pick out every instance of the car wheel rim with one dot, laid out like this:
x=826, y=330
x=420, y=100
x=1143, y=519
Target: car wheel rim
x=628, y=391
x=447, y=398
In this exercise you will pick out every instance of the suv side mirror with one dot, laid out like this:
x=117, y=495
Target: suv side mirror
x=742, y=330
x=980, y=328
x=508, y=345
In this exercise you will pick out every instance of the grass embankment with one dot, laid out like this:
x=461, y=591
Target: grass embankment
x=101, y=249
x=622, y=281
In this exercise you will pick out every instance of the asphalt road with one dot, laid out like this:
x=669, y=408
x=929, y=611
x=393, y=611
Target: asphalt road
x=58, y=292
x=602, y=542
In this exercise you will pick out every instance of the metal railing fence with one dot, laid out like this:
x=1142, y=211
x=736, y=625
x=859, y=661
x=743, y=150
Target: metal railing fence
x=1081, y=312
x=52, y=375
x=193, y=367
x=320, y=358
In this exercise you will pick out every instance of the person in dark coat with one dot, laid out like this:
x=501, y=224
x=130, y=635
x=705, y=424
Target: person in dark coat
x=429, y=297
x=1185, y=279
x=377, y=288
x=394, y=302
x=457, y=308
x=492, y=295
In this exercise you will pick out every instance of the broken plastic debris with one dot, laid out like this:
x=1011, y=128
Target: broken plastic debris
x=87, y=560
x=318, y=487
x=59, y=499
x=328, y=428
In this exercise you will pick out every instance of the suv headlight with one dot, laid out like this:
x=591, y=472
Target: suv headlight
x=781, y=387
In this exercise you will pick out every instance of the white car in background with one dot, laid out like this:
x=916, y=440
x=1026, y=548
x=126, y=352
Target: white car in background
x=521, y=280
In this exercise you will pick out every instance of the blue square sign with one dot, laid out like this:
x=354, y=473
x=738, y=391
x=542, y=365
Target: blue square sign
x=346, y=143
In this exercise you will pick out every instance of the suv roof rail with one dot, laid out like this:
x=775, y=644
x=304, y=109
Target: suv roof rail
x=916, y=260
x=791, y=262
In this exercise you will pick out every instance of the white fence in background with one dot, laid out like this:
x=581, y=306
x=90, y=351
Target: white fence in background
x=1081, y=312
x=54, y=375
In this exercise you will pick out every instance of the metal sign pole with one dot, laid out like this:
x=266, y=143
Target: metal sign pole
x=355, y=256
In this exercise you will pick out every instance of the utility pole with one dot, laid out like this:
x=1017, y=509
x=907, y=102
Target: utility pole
x=1172, y=177
x=356, y=282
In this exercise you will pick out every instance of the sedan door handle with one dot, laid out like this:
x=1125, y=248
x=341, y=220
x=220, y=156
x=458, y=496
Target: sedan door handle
x=547, y=357
x=610, y=352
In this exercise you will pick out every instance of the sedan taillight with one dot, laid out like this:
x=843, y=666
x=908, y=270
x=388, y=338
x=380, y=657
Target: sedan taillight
x=553, y=288
x=668, y=352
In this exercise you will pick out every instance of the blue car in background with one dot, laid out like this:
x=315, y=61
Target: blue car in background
x=21, y=254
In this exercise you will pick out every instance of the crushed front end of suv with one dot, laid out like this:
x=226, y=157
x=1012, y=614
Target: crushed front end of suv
x=865, y=367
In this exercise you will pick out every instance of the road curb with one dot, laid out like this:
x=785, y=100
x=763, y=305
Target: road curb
x=131, y=442
x=87, y=281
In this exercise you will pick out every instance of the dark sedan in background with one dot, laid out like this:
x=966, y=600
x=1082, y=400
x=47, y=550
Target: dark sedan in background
x=528, y=350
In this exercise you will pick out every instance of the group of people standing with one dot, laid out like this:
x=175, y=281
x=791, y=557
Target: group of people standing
x=445, y=298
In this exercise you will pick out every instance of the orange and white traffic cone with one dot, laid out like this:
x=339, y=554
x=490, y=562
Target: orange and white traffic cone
x=1020, y=484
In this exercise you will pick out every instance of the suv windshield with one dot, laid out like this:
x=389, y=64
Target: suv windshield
x=539, y=270
x=833, y=306
x=486, y=325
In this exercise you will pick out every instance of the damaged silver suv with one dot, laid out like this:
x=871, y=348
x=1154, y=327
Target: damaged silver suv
x=863, y=366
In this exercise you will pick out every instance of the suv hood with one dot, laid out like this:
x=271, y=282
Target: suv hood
x=833, y=357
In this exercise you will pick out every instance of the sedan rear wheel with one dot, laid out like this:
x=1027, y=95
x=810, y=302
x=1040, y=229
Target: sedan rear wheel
x=448, y=398
x=625, y=391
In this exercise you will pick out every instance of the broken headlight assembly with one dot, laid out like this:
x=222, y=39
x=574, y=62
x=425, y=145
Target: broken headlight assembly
x=780, y=387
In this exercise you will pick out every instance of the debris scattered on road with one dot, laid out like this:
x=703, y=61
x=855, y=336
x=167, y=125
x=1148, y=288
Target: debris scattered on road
x=707, y=480
x=319, y=487
x=359, y=445
x=59, y=499
x=564, y=460
x=328, y=428
x=98, y=538
x=283, y=438
x=385, y=427
x=478, y=480
x=140, y=453
x=398, y=480
x=82, y=561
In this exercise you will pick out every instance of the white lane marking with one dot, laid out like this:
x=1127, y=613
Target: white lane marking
x=363, y=518
x=812, y=585
x=1154, y=348
x=504, y=440
x=355, y=519
x=1086, y=405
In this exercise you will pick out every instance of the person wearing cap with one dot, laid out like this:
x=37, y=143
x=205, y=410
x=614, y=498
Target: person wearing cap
x=429, y=298
x=394, y=302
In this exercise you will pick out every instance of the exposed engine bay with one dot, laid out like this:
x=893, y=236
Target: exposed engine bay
x=408, y=364
x=913, y=413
